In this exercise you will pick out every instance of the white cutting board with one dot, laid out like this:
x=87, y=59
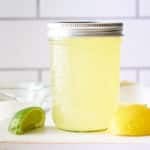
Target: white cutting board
x=52, y=138
x=50, y=134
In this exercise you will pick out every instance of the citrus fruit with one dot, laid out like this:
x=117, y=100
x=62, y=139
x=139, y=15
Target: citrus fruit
x=131, y=120
x=27, y=119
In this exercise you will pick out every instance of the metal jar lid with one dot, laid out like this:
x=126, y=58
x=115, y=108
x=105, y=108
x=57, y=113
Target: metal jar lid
x=67, y=29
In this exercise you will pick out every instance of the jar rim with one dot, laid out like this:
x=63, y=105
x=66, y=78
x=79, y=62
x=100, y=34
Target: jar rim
x=85, y=29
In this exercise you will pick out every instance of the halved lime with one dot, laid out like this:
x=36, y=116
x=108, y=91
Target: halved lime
x=26, y=120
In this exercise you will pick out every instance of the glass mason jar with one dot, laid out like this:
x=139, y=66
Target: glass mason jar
x=85, y=66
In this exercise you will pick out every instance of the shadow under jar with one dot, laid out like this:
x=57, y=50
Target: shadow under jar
x=85, y=66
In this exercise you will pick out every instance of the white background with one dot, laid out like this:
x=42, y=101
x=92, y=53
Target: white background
x=24, y=54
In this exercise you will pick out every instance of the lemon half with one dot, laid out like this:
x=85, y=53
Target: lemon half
x=131, y=120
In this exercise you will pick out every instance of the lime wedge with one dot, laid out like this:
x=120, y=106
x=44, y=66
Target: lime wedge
x=26, y=120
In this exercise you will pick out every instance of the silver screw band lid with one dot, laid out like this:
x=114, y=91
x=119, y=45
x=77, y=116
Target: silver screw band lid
x=65, y=29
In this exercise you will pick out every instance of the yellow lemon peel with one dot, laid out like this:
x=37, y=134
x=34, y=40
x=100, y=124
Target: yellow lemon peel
x=131, y=120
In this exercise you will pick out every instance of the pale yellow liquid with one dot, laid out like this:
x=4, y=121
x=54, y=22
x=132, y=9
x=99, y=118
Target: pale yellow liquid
x=85, y=82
